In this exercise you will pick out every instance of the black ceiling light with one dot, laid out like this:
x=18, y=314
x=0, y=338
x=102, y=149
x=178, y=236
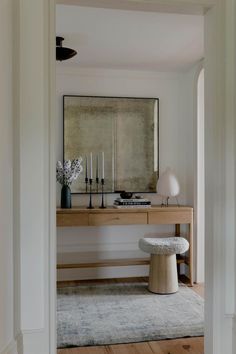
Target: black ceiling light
x=63, y=53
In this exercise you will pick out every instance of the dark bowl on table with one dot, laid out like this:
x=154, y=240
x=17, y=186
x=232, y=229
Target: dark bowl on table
x=126, y=195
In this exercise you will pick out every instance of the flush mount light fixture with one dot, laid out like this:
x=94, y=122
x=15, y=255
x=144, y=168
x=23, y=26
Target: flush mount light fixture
x=63, y=53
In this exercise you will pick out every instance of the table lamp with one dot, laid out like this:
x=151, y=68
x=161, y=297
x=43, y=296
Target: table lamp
x=168, y=186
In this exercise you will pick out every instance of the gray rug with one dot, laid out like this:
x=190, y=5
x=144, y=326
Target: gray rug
x=124, y=313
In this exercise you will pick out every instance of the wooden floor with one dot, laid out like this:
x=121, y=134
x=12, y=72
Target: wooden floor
x=175, y=346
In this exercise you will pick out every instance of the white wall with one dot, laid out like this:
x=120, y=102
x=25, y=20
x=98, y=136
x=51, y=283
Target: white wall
x=6, y=163
x=175, y=91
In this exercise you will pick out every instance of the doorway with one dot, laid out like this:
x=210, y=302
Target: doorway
x=115, y=68
x=218, y=326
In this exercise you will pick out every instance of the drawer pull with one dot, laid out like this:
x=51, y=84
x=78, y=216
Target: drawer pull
x=115, y=218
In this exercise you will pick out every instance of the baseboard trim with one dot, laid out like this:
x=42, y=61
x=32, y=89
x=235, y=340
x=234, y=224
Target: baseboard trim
x=19, y=341
x=11, y=348
x=33, y=341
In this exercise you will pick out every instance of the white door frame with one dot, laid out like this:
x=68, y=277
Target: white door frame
x=198, y=274
x=34, y=228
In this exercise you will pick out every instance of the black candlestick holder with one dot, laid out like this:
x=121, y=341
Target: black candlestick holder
x=86, y=184
x=90, y=194
x=97, y=184
x=102, y=183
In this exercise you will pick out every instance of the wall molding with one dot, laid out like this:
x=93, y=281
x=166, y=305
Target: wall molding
x=34, y=307
x=11, y=348
x=26, y=338
x=19, y=341
x=231, y=316
x=199, y=277
x=195, y=7
x=33, y=341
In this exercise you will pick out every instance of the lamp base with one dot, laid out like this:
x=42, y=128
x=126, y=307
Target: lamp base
x=166, y=204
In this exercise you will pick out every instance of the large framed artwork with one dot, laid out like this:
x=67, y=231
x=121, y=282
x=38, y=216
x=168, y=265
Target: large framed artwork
x=124, y=130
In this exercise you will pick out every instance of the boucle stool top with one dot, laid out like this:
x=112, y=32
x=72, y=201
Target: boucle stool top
x=165, y=246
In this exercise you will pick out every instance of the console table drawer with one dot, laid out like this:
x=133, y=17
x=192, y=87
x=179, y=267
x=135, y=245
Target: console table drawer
x=117, y=219
x=170, y=217
x=73, y=219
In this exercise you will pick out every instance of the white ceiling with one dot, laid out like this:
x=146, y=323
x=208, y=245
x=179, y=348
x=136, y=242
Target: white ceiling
x=106, y=38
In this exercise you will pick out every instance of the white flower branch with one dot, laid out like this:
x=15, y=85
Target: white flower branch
x=69, y=171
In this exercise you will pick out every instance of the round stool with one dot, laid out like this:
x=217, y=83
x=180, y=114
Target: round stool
x=163, y=277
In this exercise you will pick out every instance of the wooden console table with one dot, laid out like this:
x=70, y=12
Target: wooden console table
x=156, y=215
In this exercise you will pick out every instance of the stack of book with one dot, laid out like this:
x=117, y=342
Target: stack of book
x=132, y=203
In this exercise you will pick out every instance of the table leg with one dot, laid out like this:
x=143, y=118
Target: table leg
x=177, y=233
x=177, y=229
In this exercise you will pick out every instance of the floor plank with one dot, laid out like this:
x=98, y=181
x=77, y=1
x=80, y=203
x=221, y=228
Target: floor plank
x=133, y=348
x=199, y=289
x=178, y=346
x=84, y=350
x=174, y=346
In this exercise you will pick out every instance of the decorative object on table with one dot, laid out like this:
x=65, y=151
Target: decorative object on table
x=66, y=173
x=97, y=176
x=102, y=203
x=168, y=186
x=102, y=314
x=90, y=181
x=102, y=181
x=86, y=174
x=138, y=196
x=126, y=195
x=121, y=203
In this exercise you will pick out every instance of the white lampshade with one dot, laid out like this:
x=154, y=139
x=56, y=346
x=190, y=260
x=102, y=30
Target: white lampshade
x=167, y=184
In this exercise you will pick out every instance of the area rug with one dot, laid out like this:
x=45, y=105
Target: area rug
x=125, y=313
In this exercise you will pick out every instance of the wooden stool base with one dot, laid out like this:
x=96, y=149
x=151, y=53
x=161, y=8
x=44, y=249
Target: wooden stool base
x=163, y=278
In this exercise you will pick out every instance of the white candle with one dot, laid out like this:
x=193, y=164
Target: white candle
x=97, y=168
x=91, y=166
x=103, y=165
x=86, y=167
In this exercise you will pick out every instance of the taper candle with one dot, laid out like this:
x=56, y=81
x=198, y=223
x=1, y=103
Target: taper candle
x=97, y=168
x=102, y=165
x=86, y=167
x=91, y=166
